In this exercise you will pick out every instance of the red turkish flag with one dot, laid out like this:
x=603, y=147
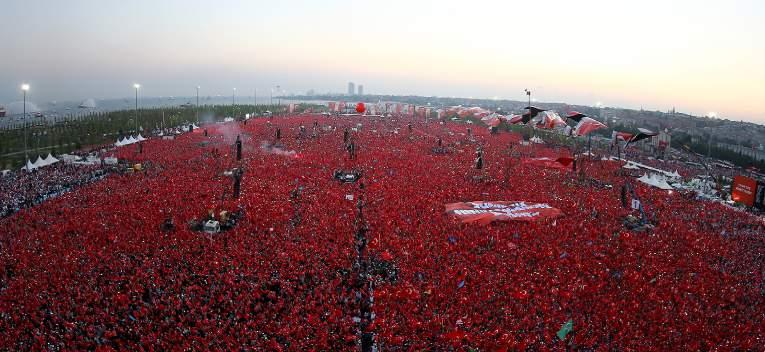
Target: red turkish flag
x=587, y=125
x=486, y=212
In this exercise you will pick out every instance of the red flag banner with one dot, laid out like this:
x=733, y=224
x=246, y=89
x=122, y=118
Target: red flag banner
x=515, y=119
x=551, y=120
x=587, y=125
x=623, y=136
x=486, y=212
x=492, y=120
x=744, y=190
x=560, y=163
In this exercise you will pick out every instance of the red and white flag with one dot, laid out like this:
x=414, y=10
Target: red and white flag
x=486, y=212
x=562, y=163
x=620, y=136
x=551, y=120
x=587, y=125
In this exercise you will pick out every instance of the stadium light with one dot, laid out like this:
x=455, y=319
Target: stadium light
x=25, y=88
x=233, y=103
x=136, y=86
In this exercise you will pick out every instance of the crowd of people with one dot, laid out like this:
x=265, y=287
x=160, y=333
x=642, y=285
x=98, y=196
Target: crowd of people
x=99, y=267
x=22, y=189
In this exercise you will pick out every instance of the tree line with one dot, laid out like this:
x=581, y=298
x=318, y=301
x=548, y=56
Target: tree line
x=92, y=130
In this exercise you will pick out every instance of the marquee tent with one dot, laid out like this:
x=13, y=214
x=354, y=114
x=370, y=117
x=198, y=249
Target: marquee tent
x=656, y=180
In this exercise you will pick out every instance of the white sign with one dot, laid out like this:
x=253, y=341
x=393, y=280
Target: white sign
x=635, y=204
x=349, y=196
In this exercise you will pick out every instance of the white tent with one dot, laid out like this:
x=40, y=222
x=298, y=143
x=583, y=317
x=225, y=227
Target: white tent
x=537, y=140
x=40, y=162
x=655, y=180
x=50, y=159
x=129, y=140
x=29, y=166
x=636, y=165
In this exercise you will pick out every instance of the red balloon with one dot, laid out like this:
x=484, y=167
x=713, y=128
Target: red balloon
x=360, y=108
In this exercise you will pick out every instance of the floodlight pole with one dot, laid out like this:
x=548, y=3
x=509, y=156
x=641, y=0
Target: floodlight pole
x=136, y=107
x=528, y=92
x=24, y=89
x=198, y=104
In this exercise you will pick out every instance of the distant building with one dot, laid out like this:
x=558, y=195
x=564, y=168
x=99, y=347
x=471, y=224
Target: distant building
x=662, y=142
x=351, y=88
x=747, y=150
x=361, y=89
x=310, y=92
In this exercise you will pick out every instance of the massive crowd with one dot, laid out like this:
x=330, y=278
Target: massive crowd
x=96, y=268
x=22, y=189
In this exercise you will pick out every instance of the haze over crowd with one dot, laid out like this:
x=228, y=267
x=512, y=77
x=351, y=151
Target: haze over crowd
x=697, y=57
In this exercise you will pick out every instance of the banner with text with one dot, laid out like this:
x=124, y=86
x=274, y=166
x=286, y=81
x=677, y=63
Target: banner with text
x=486, y=212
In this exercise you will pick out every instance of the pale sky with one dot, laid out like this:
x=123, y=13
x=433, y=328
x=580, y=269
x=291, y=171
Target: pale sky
x=699, y=56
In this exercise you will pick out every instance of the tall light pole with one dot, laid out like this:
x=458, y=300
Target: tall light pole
x=233, y=103
x=136, y=86
x=279, y=91
x=271, y=98
x=528, y=92
x=25, y=88
x=198, y=104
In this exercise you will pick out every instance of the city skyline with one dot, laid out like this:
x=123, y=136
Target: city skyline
x=698, y=59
